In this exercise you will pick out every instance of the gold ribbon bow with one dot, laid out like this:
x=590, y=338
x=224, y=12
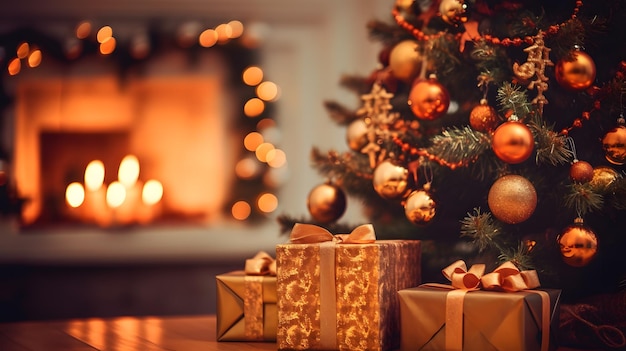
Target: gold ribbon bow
x=507, y=277
x=302, y=233
x=309, y=233
x=261, y=264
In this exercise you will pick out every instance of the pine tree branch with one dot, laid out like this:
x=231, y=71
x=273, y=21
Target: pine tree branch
x=459, y=144
x=481, y=229
x=339, y=113
x=583, y=198
x=550, y=147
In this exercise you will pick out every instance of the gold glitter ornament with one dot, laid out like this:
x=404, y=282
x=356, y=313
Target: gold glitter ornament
x=603, y=176
x=326, y=202
x=390, y=181
x=577, y=74
x=356, y=134
x=483, y=118
x=614, y=145
x=512, y=199
x=578, y=244
x=420, y=208
x=405, y=60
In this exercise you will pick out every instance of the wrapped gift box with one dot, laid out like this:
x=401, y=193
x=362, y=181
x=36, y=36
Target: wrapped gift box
x=345, y=297
x=502, y=321
x=246, y=307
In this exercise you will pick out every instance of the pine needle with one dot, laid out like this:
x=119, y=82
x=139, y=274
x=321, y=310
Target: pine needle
x=481, y=228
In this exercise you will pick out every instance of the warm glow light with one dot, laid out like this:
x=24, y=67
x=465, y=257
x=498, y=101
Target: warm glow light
x=128, y=172
x=276, y=158
x=247, y=168
x=241, y=210
x=152, y=192
x=22, y=50
x=224, y=32
x=262, y=150
x=94, y=175
x=236, y=28
x=267, y=202
x=83, y=30
x=267, y=91
x=265, y=123
x=108, y=46
x=104, y=34
x=34, y=59
x=15, y=66
x=252, y=75
x=207, y=38
x=116, y=194
x=252, y=141
x=75, y=194
x=253, y=107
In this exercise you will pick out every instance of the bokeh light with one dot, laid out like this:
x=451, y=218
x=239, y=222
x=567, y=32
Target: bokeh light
x=94, y=175
x=262, y=150
x=152, y=192
x=116, y=194
x=241, y=210
x=104, y=34
x=276, y=158
x=252, y=141
x=207, y=38
x=267, y=202
x=83, y=30
x=128, y=172
x=267, y=91
x=254, y=107
x=252, y=75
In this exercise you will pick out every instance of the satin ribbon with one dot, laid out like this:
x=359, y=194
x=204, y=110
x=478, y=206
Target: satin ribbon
x=302, y=233
x=507, y=278
x=256, y=267
x=261, y=264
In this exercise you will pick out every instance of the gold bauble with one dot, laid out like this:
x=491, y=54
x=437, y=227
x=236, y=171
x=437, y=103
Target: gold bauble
x=452, y=11
x=405, y=60
x=614, y=145
x=577, y=74
x=420, y=207
x=483, y=117
x=390, y=181
x=603, y=176
x=578, y=245
x=428, y=99
x=326, y=203
x=513, y=142
x=512, y=199
x=356, y=134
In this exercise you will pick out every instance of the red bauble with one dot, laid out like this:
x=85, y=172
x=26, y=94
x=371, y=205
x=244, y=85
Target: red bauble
x=581, y=172
x=483, y=117
x=429, y=99
x=513, y=142
x=577, y=74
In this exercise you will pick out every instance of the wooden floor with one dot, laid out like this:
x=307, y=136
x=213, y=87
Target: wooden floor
x=189, y=333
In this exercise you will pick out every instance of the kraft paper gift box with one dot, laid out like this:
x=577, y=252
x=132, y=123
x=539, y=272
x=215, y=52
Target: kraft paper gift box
x=485, y=320
x=246, y=302
x=340, y=292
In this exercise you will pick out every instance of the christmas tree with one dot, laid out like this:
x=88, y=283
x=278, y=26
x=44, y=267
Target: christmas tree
x=493, y=131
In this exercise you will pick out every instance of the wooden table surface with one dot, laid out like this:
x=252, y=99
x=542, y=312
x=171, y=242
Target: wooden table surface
x=185, y=333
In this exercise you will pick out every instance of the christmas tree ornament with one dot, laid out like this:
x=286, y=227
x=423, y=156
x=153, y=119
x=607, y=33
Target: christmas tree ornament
x=405, y=60
x=390, y=180
x=512, y=141
x=533, y=71
x=576, y=73
x=326, y=202
x=356, y=134
x=578, y=244
x=603, y=177
x=581, y=171
x=453, y=11
x=420, y=208
x=483, y=118
x=512, y=199
x=428, y=98
x=614, y=145
x=379, y=121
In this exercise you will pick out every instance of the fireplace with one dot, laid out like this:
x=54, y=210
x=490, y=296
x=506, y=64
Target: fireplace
x=176, y=119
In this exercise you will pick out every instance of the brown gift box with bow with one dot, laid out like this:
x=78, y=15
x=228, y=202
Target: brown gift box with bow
x=339, y=292
x=246, y=302
x=504, y=318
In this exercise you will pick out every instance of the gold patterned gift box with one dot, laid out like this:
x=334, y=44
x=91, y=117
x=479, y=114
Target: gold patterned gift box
x=340, y=292
x=246, y=302
x=504, y=318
